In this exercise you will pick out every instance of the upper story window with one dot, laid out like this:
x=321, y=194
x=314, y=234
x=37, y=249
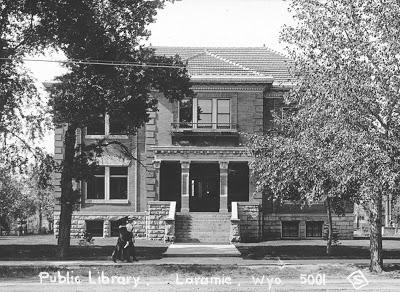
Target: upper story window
x=211, y=113
x=205, y=113
x=106, y=125
x=107, y=184
x=98, y=126
x=223, y=113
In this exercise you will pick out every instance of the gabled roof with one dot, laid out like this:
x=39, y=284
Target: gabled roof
x=232, y=64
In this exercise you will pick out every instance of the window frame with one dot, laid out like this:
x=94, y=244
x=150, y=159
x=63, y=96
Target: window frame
x=290, y=221
x=214, y=113
x=321, y=223
x=107, y=177
x=106, y=131
x=92, y=221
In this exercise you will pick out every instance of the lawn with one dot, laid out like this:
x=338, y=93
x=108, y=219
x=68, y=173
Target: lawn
x=313, y=249
x=44, y=247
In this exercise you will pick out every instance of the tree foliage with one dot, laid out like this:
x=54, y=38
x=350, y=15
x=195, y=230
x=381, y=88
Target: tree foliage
x=107, y=31
x=22, y=109
x=346, y=74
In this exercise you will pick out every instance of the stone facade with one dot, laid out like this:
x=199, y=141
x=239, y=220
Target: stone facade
x=157, y=213
x=250, y=217
x=150, y=224
x=272, y=226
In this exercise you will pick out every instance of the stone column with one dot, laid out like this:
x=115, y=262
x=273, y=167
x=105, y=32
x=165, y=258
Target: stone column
x=185, y=166
x=223, y=190
x=157, y=164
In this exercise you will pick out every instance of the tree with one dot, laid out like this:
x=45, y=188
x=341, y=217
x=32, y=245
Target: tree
x=40, y=188
x=15, y=200
x=346, y=72
x=108, y=31
x=289, y=166
x=22, y=110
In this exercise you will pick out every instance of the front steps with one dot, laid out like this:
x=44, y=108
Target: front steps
x=202, y=227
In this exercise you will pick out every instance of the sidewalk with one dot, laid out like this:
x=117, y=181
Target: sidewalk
x=205, y=261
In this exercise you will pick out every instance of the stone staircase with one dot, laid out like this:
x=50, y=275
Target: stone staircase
x=204, y=227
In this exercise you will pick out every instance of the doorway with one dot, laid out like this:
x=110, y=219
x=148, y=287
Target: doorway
x=204, y=187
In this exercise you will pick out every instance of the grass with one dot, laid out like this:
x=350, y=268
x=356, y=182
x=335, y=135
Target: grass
x=45, y=248
x=315, y=249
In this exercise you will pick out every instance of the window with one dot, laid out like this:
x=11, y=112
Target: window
x=108, y=183
x=95, y=185
x=97, y=127
x=95, y=227
x=314, y=228
x=290, y=228
x=107, y=125
x=223, y=114
x=118, y=183
x=186, y=113
x=117, y=126
x=205, y=113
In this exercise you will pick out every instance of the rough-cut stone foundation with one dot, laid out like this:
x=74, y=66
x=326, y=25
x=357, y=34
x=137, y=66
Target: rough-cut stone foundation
x=78, y=223
x=273, y=224
x=158, y=223
x=157, y=213
x=250, y=217
x=150, y=224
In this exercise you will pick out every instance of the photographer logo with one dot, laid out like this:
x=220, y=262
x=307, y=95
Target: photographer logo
x=358, y=280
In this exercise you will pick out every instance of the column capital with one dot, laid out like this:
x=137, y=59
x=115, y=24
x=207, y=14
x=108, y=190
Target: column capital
x=185, y=164
x=157, y=164
x=223, y=164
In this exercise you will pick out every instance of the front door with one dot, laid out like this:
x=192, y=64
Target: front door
x=204, y=187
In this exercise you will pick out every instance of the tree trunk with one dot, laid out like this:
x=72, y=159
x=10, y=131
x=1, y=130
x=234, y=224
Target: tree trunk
x=330, y=235
x=40, y=220
x=67, y=198
x=375, y=220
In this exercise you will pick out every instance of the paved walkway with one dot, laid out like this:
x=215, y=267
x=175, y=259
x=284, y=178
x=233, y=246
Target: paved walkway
x=201, y=250
x=195, y=261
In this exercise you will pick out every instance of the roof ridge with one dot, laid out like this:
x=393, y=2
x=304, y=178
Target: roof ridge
x=232, y=63
x=195, y=56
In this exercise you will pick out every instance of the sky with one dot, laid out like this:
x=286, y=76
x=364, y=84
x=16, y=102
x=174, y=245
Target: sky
x=240, y=23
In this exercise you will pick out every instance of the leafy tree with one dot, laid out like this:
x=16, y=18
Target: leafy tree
x=22, y=110
x=15, y=200
x=40, y=188
x=346, y=67
x=110, y=31
x=290, y=166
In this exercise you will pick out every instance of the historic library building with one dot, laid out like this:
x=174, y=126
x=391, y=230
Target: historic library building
x=191, y=181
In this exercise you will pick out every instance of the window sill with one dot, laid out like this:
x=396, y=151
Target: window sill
x=107, y=201
x=99, y=137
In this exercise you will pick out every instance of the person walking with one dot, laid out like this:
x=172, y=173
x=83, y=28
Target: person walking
x=131, y=239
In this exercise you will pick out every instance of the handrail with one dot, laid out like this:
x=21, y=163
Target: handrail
x=218, y=126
